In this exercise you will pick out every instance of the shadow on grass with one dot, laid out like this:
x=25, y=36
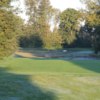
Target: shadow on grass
x=91, y=65
x=19, y=87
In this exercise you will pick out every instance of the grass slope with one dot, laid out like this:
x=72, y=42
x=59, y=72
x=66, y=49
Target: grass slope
x=49, y=79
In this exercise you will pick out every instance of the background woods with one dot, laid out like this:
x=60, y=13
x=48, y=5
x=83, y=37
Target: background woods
x=66, y=30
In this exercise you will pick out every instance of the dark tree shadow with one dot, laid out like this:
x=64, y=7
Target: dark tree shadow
x=19, y=87
x=91, y=65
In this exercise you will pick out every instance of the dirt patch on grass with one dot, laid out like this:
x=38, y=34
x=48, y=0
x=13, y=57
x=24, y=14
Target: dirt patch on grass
x=24, y=54
x=40, y=54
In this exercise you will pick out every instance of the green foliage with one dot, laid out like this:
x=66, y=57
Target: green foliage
x=69, y=24
x=93, y=23
x=43, y=22
x=9, y=31
x=56, y=39
x=53, y=41
x=30, y=38
x=40, y=14
x=4, y=3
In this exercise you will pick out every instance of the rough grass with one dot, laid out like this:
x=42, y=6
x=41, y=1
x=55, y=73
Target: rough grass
x=49, y=79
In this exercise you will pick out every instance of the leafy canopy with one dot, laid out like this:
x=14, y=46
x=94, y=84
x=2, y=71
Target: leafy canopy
x=69, y=24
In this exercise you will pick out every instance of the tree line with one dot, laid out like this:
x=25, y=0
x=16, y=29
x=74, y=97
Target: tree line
x=67, y=30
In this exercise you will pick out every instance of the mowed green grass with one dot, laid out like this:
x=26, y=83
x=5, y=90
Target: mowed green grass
x=49, y=79
x=53, y=66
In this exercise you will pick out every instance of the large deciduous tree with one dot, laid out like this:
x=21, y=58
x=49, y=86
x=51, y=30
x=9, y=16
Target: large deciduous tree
x=69, y=25
x=40, y=14
x=9, y=29
x=92, y=24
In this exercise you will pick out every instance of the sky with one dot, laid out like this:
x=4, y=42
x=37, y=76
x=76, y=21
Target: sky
x=63, y=4
x=60, y=4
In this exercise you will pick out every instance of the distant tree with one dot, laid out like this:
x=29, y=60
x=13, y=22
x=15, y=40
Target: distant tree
x=32, y=10
x=41, y=13
x=56, y=39
x=92, y=25
x=69, y=25
x=30, y=38
x=9, y=29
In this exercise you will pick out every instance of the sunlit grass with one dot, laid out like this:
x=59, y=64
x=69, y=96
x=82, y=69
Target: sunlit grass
x=49, y=79
x=25, y=65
